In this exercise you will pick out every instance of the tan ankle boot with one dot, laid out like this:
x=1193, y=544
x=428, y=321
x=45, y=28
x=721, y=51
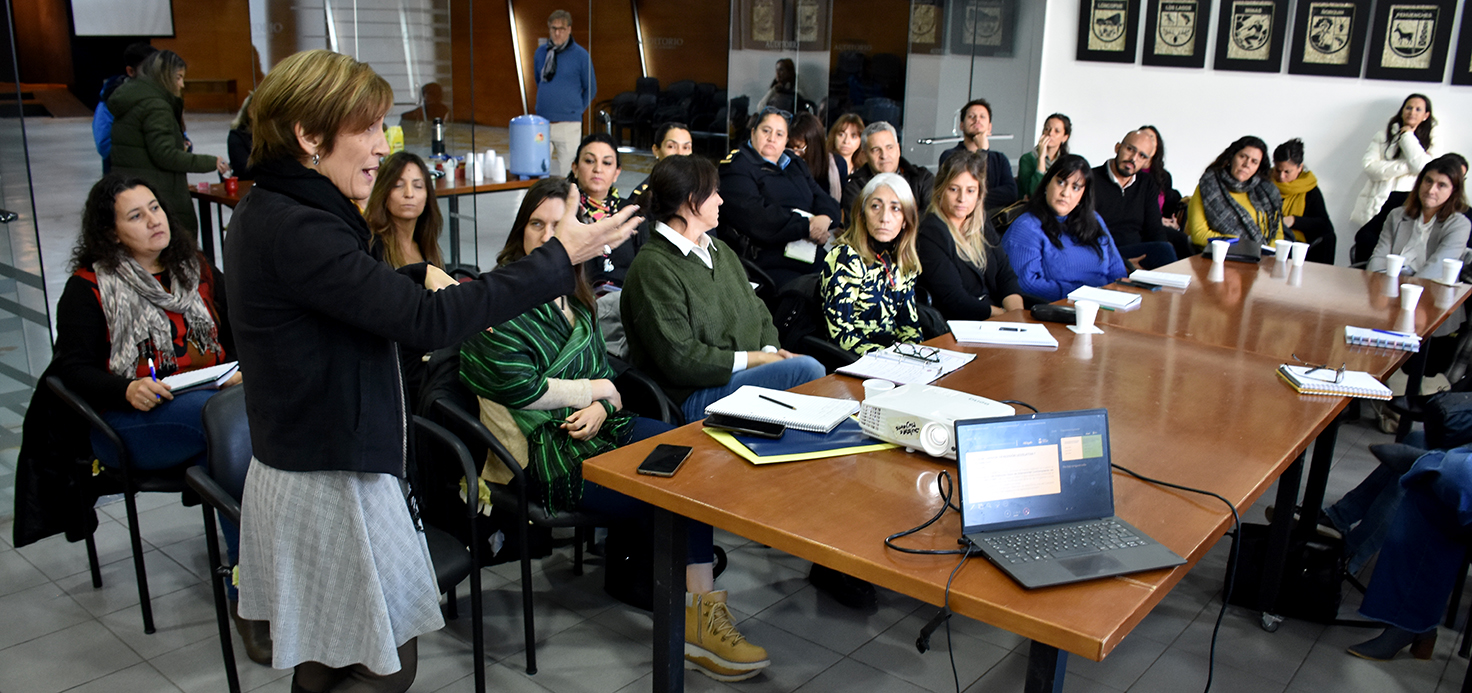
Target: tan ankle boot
x=713, y=646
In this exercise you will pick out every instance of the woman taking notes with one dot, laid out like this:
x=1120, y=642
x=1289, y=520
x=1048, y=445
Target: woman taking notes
x=1236, y=197
x=1395, y=155
x=1060, y=243
x=329, y=553
x=1430, y=227
x=966, y=272
x=868, y=279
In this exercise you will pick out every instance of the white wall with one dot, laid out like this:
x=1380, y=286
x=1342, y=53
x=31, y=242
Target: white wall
x=1200, y=112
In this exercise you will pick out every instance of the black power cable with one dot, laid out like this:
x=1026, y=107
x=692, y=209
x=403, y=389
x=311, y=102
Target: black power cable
x=1236, y=546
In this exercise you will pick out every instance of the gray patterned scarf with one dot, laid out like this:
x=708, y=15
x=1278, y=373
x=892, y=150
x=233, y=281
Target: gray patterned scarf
x=549, y=68
x=1225, y=216
x=134, y=303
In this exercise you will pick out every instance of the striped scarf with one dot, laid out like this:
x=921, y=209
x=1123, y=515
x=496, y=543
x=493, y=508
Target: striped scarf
x=136, y=308
x=510, y=364
x=1224, y=216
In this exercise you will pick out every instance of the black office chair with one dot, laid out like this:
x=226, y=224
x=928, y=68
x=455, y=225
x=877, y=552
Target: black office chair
x=514, y=495
x=221, y=484
x=642, y=395
x=134, y=482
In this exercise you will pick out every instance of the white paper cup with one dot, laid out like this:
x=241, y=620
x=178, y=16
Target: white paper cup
x=1219, y=251
x=1393, y=264
x=1084, y=313
x=874, y=386
x=1451, y=270
x=1299, y=253
x=1282, y=247
x=1410, y=295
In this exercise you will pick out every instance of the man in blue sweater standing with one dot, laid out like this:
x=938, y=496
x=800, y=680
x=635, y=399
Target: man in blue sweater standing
x=565, y=87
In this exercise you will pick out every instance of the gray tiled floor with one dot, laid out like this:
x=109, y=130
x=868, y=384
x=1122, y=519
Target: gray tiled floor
x=57, y=633
x=63, y=635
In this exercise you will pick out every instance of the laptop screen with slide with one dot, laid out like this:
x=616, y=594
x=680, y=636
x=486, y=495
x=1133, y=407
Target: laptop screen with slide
x=1034, y=469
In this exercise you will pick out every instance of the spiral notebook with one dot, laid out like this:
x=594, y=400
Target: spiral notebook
x=800, y=412
x=1320, y=381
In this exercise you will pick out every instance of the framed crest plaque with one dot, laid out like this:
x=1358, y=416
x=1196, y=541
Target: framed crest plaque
x=982, y=27
x=1329, y=38
x=1410, y=39
x=1250, y=35
x=1175, y=33
x=1107, y=30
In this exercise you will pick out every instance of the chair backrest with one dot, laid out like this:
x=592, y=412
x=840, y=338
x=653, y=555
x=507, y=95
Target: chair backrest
x=647, y=85
x=434, y=439
x=81, y=407
x=227, y=438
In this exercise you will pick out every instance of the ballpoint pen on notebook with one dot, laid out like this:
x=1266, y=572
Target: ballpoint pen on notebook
x=152, y=374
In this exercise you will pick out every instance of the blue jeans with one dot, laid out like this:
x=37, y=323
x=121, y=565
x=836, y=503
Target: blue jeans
x=1157, y=253
x=1424, y=547
x=169, y=435
x=1363, y=515
x=779, y=375
x=599, y=499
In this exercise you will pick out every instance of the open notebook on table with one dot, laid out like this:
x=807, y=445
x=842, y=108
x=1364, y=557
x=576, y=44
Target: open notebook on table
x=910, y=363
x=800, y=412
x=1322, y=381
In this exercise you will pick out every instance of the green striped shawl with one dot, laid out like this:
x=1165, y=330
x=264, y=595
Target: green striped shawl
x=511, y=364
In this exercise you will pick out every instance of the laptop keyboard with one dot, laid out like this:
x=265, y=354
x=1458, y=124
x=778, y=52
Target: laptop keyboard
x=1063, y=542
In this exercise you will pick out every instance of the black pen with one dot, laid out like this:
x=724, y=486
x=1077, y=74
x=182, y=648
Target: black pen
x=1010, y=329
x=1139, y=285
x=778, y=401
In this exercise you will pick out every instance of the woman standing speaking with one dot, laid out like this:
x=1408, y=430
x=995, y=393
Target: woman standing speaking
x=330, y=554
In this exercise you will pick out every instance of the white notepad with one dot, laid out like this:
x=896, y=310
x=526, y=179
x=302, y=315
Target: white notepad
x=1113, y=300
x=1320, y=381
x=802, y=412
x=1003, y=333
x=212, y=377
x=901, y=369
x=1170, y=279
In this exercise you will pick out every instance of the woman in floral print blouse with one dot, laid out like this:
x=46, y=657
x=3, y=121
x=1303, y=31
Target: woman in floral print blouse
x=869, y=276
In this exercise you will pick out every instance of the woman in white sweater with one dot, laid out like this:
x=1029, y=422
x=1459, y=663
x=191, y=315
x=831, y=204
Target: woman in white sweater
x=1396, y=155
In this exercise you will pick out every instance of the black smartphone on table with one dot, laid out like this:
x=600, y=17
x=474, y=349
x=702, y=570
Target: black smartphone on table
x=737, y=424
x=665, y=460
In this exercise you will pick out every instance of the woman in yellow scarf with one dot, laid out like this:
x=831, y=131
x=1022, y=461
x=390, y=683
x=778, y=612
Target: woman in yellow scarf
x=1304, y=213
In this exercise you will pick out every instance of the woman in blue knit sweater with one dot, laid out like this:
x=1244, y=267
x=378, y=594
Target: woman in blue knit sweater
x=1060, y=243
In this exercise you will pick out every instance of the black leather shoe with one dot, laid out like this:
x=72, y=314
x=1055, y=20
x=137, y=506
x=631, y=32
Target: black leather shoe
x=254, y=635
x=844, y=589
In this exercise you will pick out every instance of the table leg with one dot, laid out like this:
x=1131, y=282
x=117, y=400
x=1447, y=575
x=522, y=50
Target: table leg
x=1318, y=480
x=454, y=230
x=1276, y=558
x=669, y=601
x=1045, y=668
x=206, y=231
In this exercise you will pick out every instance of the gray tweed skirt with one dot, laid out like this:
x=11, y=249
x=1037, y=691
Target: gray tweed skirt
x=334, y=562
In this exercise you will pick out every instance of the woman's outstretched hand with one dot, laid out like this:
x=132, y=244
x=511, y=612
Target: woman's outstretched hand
x=584, y=242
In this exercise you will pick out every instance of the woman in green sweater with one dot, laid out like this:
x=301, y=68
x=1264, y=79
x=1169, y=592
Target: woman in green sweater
x=148, y=135
x=1052, y=146
x=549, y=369
x=692, y=321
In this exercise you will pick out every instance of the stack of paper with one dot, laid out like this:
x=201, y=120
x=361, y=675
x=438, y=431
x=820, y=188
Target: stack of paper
x=1112, y=300
x=801, y=412
x=1170, y=279
x=1381, y=339
x=1004, y=333
x=905, y=368
x=1321, y=381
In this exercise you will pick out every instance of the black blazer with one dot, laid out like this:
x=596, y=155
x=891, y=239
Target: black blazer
x=959, y=289
x=759, y=198
x=318, y=318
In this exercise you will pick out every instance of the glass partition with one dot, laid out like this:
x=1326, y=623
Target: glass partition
x=966, y=49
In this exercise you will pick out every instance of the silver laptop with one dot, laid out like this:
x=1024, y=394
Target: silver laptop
x=1037, y=497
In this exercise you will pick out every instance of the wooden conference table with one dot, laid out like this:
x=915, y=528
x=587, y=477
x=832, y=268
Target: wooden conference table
x=1190, y=383
x=453, y=193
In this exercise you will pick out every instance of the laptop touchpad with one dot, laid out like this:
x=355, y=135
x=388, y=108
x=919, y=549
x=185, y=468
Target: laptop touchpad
x=1084, y=566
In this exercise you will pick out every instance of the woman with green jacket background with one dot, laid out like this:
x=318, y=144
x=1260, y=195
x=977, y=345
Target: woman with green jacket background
x=148, y=135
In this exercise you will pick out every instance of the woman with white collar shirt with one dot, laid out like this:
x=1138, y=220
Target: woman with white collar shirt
x=1430, y=227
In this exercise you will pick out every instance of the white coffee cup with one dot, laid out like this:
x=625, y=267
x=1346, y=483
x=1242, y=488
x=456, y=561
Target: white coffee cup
x=1084, y=313
x=1299, y=253
x=1410, y=295
x=1282, y=247
x=1219, y=251
x=1393, y=264
x=1451, y=270
x=874, y=386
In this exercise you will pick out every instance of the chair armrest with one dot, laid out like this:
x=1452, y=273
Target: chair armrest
x=471, y=426
x=636, y=379
x=462, y=455
x=199, y=480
